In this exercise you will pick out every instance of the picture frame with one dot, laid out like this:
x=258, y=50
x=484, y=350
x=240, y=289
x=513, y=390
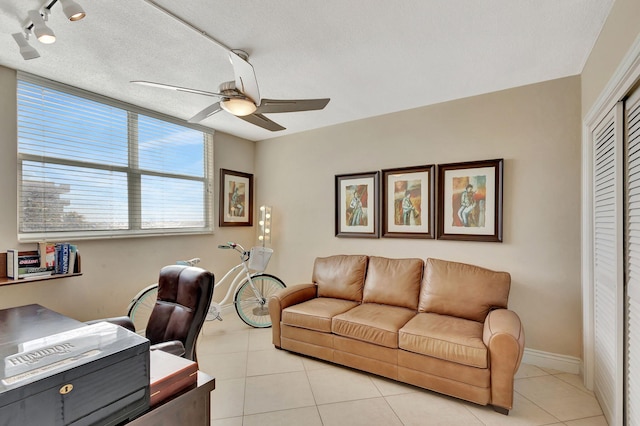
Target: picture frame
x=357, y=205
x=408, y=202
x=470, y=201
x=236, y=198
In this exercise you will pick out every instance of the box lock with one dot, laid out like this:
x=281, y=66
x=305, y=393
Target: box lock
x=66, y=389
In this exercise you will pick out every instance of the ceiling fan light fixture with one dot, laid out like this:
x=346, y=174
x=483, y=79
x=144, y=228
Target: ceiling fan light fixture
x=43, y=33
x=72, y=10
x=238, y=106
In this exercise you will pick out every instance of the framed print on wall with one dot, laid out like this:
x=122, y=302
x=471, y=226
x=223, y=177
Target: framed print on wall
x=236, y=198
x=408, y=202
x=357, y=205
x=470, y=201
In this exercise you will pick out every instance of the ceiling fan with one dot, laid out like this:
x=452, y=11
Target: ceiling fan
x=242, y=97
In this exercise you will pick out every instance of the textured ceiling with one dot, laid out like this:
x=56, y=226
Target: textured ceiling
x=371, y=57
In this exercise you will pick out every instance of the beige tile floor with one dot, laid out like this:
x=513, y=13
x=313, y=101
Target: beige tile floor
x=257, y=384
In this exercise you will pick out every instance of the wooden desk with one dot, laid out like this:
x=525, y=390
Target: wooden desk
x=191, y=407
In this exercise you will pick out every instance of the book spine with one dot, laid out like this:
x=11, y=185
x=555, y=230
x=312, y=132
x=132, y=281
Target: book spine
x=73, y=250
x=65, y=258
x=12, y=263
x=29, y=261
x=47, y=253
x=33, y=272
x=58, y=259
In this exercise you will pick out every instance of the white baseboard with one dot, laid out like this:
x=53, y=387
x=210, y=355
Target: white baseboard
x=564, y=363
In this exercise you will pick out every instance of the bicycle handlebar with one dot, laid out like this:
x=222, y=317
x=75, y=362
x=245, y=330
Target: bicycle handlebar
x=231, y=245
x=190, y=262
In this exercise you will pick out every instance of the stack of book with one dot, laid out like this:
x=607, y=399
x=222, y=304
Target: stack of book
x=49, y=259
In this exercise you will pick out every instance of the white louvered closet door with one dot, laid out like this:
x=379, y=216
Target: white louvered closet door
x=632, y=299
x=608, y=264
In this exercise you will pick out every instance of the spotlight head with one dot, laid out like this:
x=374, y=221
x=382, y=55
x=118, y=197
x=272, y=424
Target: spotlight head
x=72, y=10
x=40, y=29
x=26, y=50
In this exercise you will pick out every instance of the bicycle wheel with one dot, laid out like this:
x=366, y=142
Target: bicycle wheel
x=255, y=310
x=141, y=306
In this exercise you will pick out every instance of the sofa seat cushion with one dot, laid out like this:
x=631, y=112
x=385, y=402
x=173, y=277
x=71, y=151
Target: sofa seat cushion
x=449, y=338
x=373, y=323
x=316, y=314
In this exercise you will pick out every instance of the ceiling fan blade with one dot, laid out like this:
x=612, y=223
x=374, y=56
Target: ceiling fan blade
x=262, y=121
x=176, y=88
x=280, y=105
x=246, y=81
x=207, y=112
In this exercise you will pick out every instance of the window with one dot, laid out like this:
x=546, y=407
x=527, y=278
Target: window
x=91, y=166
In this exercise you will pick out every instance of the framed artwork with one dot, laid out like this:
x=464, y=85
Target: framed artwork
x=357, y=205
x=470, y=201
x=236, y=198
x=408, y=202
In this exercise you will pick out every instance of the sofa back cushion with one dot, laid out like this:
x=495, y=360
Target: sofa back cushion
x=462, y=290
x=393, y=282
x=341, y=276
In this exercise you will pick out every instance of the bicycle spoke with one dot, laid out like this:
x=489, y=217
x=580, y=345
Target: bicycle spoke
x=141, y=309
x=254, y=310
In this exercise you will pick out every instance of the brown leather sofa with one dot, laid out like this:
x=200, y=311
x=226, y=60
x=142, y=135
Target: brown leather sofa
x=437, y=324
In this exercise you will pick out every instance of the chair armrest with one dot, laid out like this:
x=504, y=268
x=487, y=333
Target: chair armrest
x=123, y=321
x=504, y=337
x=283, y=299
x=174, y=347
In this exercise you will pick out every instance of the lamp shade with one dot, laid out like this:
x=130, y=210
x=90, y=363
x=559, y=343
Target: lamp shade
x=72, y=10
x=238, y=106
x=40, y=29
x=26, y=50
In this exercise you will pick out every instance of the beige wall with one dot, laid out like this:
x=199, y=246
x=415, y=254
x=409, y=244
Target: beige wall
x=618, y=34
x=536, y=129
x=113, y=270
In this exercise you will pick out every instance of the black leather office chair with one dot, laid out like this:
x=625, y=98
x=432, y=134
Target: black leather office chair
x=184, y=296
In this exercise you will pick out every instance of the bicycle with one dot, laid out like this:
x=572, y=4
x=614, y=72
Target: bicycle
x=251, y=297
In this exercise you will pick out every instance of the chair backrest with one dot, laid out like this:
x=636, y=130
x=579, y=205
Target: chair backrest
x=184, y=296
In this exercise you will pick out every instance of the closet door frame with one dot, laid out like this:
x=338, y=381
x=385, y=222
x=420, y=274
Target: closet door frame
x=621, y=83
x=632, y=257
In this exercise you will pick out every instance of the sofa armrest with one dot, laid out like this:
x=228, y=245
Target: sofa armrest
x=284, y=298
x=504, y=337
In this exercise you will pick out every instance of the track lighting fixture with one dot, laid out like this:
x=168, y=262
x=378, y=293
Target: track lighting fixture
x=40, y=29
x=36, y=24
x=72, y=10
x=26, y=50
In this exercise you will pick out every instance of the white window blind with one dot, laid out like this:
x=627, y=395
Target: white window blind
x=608, y=263
x=91, y=166
x=632, y=362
